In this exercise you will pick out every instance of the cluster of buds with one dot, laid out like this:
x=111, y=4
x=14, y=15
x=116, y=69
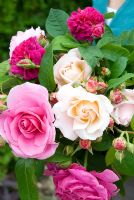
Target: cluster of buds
x=3, y=98
x=116, y=96
x=105, y=71
x=85, y=144
x=95, y=86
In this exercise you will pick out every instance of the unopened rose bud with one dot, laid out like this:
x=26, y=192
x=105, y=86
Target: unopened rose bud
x=2, y=142
x=116, y=96
x=27, y=63
x=111, y=123
x=130, y=147
x=105, y=71
x=53, y=98
x=101, y=87
x=43, y=41
x=122, y=86
x=92, y=85
x=119, y=155
x=119, y=144
x=85, y=144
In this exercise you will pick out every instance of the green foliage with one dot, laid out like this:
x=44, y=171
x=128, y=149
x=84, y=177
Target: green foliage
x=26, y=179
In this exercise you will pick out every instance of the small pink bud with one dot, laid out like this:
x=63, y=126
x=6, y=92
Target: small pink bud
x=119, y=144
x=116, y=96
x=111, y=123
x=101, y=87
x=85, y=144
x=53, y=98
x=92, y=85
x=105, y=71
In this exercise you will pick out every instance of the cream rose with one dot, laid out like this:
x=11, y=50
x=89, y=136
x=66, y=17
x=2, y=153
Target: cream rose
x=71, y=68
x=81, y=114
x=124, y=111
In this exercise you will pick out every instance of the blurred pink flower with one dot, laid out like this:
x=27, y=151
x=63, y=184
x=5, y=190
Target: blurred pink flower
x=86, y=24
x=76, y=183
x=27, y=125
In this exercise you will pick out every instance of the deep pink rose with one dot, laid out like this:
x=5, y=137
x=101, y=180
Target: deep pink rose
x=86, y=24
x=75, y=183
x=28, y=49
x=27, y=124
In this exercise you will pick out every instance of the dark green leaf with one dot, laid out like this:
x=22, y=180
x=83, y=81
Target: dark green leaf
x=118, y=67
x=25, y=174
x=113, y=83
x=91, y=54
x=59, y=157
x=132, y=123
x=56, y=23
x=113, y=52
x=126, y=167
x=110, y=156
x=105, y=144
x=9, y=83
x=109, y=15
x=46, y=77
x=39, y=167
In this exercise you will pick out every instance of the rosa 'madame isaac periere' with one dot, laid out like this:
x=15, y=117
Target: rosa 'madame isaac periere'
x=27, y=124
x=81, y=114
x=71, y=68
x=124, y=111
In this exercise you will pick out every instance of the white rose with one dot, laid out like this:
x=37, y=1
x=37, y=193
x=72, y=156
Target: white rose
x=81, y=114
x=71, y=68
x=124, y=111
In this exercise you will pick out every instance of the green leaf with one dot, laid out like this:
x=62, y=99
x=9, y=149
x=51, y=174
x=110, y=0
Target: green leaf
x=132, y=123
x=64, y=42
x=9, y=83
x=126, y=167
x=118, y=67
x=113, y=52
x=46, y=77
x=105, y=144
x=4, y=71
x=113, y=83
x=59, y=157
x=91, y=54
x=56, y=23
x=109, y=15
x=127, y=37
x=105, y=40
x=110, y=156
x=25, y=174
x=39, y=167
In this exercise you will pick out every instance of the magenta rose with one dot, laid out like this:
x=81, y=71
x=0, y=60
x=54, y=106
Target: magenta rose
x=75, y=183
x=27, y=124
x=86, y=24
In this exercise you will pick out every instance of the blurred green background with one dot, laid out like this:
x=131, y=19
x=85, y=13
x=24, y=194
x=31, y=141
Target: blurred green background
x=18, y=15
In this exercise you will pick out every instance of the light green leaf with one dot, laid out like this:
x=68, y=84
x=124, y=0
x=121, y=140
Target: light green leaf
x=26, y=179
x=113, y=83
x=56, y=23
x=132, y=123
x=110, y=156
x=105, y=40
x=46, y=77
x=91, y=54
x=109, y=15
x=118, y=67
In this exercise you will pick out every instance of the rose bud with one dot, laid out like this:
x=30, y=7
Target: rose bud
x=53, y=98
x=84, y=144
x=130, y=147
x=92, y=85
x=111, y=123
x=116, y=96
x=119, y=155
x=119, y=144
x=101, y=87
x=105, y=71
x=27, y=64
x=43, y=41
x=69, y=149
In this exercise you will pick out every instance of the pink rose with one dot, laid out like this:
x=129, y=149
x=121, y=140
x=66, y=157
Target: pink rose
x=98, y=30
x=76, y=183
x=124, y=111
x=27, y=124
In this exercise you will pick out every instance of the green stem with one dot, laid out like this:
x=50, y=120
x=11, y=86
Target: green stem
x=86, y=159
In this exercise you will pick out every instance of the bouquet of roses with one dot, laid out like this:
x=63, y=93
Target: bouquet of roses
x=67, y=106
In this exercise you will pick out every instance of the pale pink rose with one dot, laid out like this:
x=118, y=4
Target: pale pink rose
x=81, y=114
x=124, y=111
x=75, y=183
x=22, y=36
x=27, y=124
x=71, y=68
